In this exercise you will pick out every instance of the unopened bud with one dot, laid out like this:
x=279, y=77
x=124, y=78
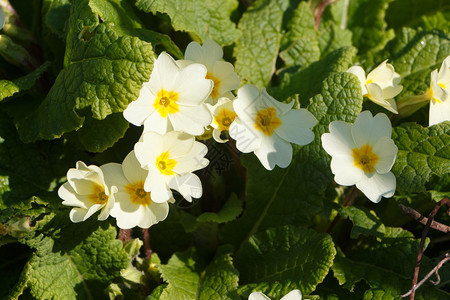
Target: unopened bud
x=13, y=53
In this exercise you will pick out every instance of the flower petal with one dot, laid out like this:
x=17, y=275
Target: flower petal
x=247, y=140
x=156, y=123
x=245, y=105
x=192, y=86
x=191, y=119
x=295, y=127
x=345, y=171
x=339, y=141
x=188, y=185
x=383, y=72
x=156, y=184
x=258, y=296
x=140, y=109
x=293, y=295
x=377, y=186
x=132, y=169
x=114, y=175
x=368, y=129
x=386, y=150
x=439, y=112
x=70, y=197
x=375, y=93
x=274, y=151
x=359, y=72
x=164, y=74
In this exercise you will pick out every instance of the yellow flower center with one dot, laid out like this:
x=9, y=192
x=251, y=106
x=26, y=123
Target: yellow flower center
x=166, y=103
x=215, y=92
x=224, y=119
x=165, y=164
x=98, y=195
x=267, y=120
x=137, y=193
x=364, y=158
x=369, y=81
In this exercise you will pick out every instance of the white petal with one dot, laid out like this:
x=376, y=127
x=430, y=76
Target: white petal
x=386, y=150
x=274, y=151
x=68, y=194
x=246, y=102
x=192, y=160
x=359, y=72
x=164, y=74
x=383, y=72
x=392, y=91
x=439, y=112
x=224, y=71
x=269, y=101
x=216, y=136
x=192, y=86
x=345, y=171
x=247, y=140
x=368, y=129
x=132, y=169
x=191, y=119
x=295, y=127
x=258, y=296
x=114, y=175
x=77, y=215
x=92, y=210
x=140, y=109
x=293, y=295
x=178, y=144
x=156, y=184
x=339, y=140
x=156, y=123
x=188, y=185
x=376, y=95
x=152, y=214
x=377, y=186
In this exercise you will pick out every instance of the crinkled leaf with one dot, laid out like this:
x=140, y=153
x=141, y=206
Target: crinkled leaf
x=439, y=20
x=57, y=13
x=300, y=46
x=284, y=258
x=156, y=293
x=294, y=194
x=207, y=19
x=365, y=222
x=98, y=135
x=182, y=275
x=332, y=37
x=103, y=71
x=422, y=152
x=307, y=82
x=220, y=279
x=9, y=88
x=414, y=55
x=230, y=211
x=256, y=50
x=73, y=261
x=408, y=12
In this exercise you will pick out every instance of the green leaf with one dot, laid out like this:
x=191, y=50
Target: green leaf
x=366, y=21
x=307, y=82
x=156, y=293
x=403, y=13
x=182, y=275
x=300, y=46
x=73, y=261
x=207, y=19
x=57, y=13
x=284, y=258
x=414, y=55
x=393, y=284
x=220, y=279
x=365, y=222
x=332, y=37
x=230, y=211
x=97, y=136
x=439, y=20
x=295, y=194
x=9, y=88
x=422, y=152
x=94, y=53
x=256, y=50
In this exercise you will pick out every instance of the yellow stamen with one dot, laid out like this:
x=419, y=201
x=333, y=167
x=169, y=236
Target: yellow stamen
x=98, y=195
x=166, y=103
x=215, y=92
x=137, y=193
x=267, y=120
x=364, y=158
x=224, y=119
x=165, y=164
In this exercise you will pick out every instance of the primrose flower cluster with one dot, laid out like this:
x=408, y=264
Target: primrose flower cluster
x=195, y=97
x=182, y=100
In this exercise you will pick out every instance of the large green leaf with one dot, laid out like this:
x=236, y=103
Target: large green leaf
x=284, y=258
x=257, y=49
x=300, y=45
x=422, y=152
x=365, y=222
x=72, y=261
x=207, y=19
x=293, y=195
x=103, y=71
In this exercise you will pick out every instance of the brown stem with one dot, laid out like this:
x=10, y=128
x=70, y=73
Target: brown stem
x=423, y=220
x=148, y=250
x=435, y=270
x=319, y=12
x=422, y=243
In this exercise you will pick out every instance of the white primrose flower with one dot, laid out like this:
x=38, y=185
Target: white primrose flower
x=381, y=84
x=223, y=115
x=173, y=99
x=87, y=191
x=266, y=126
x=440, y=94
x=220, y=72
x=292, y=295
x=170, y=160
x=134, y=206
x=363, y=154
